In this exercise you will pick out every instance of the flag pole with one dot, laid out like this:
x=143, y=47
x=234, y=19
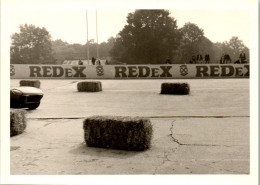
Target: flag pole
x=97, y=34
x=87, y=35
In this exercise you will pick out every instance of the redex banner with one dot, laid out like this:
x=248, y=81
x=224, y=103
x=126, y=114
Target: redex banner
x=174, y=71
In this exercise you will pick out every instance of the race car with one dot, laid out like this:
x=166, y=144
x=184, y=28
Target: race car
x=25, y=97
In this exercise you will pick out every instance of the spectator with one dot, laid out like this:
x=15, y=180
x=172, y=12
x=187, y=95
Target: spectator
x=199, y=59
x=80, y=62
x=93, y=60
x=168, y=60
x=98, y=62
x=237, y=62
x=242, y=57
x=207, y=59
x=193, y=59
x=221, y=59
x=227, y=59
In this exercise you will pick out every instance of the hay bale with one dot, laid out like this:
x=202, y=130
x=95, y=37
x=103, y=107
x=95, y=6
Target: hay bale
x=116, y=132
x=175, y=88
x=18, y=121
x=32, y=83
x=89, y=86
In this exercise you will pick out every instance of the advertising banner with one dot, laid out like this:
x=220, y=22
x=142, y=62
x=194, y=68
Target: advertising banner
x=164, y=71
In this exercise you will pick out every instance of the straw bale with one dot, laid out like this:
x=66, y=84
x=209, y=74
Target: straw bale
x=175, y=88
x=116, y=132
x=18, y=121
x=89, y=86
x=32, y=83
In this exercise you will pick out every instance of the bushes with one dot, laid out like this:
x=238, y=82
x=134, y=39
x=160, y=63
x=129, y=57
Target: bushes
x=32, y=83
x=18, y=121
x=175, y=88
x=126, y=133
x=89, y=86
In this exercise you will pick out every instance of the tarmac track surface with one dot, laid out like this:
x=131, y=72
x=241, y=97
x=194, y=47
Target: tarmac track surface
x=206, y=132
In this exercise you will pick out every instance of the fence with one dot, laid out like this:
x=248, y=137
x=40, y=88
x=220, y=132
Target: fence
x=174, y=71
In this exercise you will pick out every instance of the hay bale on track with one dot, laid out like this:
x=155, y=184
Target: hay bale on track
x=32, y=83
x=175, y=88
x=18, y=121
x=125, y=133
x=89, y=86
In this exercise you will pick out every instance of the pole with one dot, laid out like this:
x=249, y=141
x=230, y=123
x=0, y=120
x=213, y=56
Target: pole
x=87, y=35
x=97, y=34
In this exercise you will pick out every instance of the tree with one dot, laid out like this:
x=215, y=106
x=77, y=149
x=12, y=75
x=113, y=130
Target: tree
x=218, y=50
x=234, y=47
x=192, y=39
x=191, y=33
x=105, y=47
x=118, y=50
x=149, y=37
x=60, y=50
x=65, y=51
x=31, y=46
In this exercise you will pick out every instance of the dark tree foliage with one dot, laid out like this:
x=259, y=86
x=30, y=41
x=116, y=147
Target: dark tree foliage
x=149, y=37
x=191, y=41
x=31, y=46
x=61, y=51
x=234, y=47
x=105, y=47
x=207, y=47
x=64, y=51
x=118, y=51
x=191, y=33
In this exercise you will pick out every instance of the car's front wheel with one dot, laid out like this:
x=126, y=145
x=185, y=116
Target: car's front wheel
x=33, y=106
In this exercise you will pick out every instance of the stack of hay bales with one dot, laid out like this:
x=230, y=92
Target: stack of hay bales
x=175, y=88
x=116, y=132
x=18, y=121
x=32, y=83
x=89, y=86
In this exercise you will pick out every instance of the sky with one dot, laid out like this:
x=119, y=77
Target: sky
x=70, y=25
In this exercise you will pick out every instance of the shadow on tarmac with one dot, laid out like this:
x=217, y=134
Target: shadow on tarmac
x=83, y=149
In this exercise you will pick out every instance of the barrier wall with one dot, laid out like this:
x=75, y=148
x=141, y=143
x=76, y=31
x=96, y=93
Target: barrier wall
x=174, y=71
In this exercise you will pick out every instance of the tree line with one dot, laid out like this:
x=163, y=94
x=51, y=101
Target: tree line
x=149, y=37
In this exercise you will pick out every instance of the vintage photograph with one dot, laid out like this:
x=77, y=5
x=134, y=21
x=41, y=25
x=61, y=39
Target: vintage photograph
x=138, y=91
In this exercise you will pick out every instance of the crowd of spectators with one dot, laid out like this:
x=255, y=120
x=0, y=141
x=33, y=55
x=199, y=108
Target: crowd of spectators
x=199, y=59
x=224, y=59
x=195, y=59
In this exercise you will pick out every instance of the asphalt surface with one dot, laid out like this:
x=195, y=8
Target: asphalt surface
x=206, y=132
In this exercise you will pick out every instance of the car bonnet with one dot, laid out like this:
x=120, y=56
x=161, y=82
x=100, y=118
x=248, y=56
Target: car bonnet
x=29, y=90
